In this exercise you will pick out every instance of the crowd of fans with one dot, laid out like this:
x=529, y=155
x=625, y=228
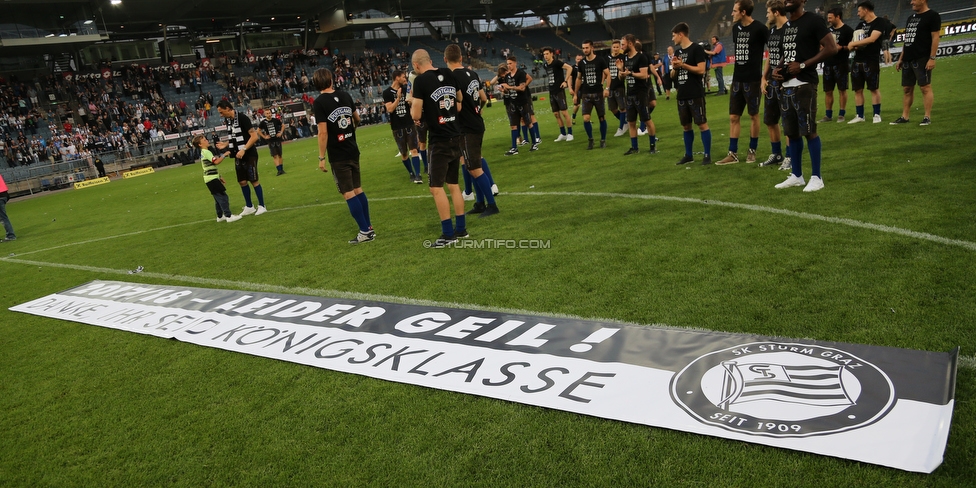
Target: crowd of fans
x=57, y=118
x=92, y=115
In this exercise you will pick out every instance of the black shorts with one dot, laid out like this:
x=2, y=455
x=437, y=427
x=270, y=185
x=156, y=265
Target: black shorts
x=651, y=98
x=836, y=76
x=591, y=101
x=406, y=140
x=445, y=160
x=667, y=80
x=745, y=95
x=515, y=113
x=617, y=102
x=529, y=108
x=798, y=105
x=637, y=107
x=422, y=133
x=275, y=147
x=772, y=113
x=557, y=101
x=471, y=150
x=914, y=73
x=692, y=111
x=247, y=168
x=865, y=74
x=346, y=175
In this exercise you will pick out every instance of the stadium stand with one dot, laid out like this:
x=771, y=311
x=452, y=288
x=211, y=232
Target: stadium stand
x=703, y=21
x=641, y=26
x=132, y=114
x=576, y=34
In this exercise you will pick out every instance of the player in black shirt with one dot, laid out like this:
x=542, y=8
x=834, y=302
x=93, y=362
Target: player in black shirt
x=421, y=129
x=557, y=77
x=748, y=41
x=836, y=70
x=519, y=81
x=634, y=70
x=336, y=117
x=615, y=93
x=270, y=130
x=511, y=84
x=475, y=170
x=396, y=100
x=918, y=59
x=866, y=69
x=657, y=66
x=806, y=42
x=243, y=137
x=771, y=88
x=438, y=100
x=651, y=96
x=594, y=75
x=572, y=86
x=688, y=67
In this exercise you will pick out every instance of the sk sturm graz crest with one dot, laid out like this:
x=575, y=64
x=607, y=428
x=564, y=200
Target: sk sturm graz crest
x=342, y=116
x=783, y=390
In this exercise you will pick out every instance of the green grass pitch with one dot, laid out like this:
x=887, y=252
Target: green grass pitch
x=885, y=255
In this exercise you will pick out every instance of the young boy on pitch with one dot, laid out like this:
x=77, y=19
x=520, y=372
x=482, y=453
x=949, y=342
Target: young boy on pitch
x=213, y=180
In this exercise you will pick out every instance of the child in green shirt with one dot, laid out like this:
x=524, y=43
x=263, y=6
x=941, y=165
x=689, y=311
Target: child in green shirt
x=213, y=180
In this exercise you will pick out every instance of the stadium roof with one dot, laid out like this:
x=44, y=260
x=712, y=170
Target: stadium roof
x=131, y=18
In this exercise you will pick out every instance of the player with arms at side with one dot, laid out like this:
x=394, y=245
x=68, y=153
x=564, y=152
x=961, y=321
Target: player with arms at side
x=270, y=130
x=688, y=68
x=472, y=132
x=337, y=119
x=594, y=75
x=748, y=40
x=918, y=59
x=438, y=101
x=557, y=77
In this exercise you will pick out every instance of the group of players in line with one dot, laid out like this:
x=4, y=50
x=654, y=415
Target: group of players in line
x=787, y=81
x=439, y=121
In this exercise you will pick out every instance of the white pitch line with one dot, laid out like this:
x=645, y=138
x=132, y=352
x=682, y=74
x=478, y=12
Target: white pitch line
x=134, y=233
x=759, y=208
x=744, y=206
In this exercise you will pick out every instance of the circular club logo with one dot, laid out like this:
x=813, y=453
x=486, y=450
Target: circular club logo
x=783, y=390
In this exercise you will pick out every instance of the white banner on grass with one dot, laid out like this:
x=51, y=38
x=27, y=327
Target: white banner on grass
x=874, y=404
